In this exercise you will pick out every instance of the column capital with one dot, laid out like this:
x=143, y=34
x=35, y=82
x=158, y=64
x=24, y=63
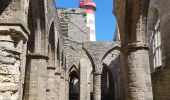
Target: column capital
x=16, y=32
x=136, y=46
x=37, y=56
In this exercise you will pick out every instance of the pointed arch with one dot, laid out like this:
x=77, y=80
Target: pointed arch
x=90, y=57
x=51, y=45
x=74, y=83
x=73, y=68
x=107, y=84
x=31, y=40
x=116, y=47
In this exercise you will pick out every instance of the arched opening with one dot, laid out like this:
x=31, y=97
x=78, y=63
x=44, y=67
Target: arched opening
x=154, y=37
x=30, y=18
x=107, y=84
x=73, y=85
x=51, y=45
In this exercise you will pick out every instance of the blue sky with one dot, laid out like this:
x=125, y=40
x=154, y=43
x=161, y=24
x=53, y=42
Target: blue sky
x=105, y=20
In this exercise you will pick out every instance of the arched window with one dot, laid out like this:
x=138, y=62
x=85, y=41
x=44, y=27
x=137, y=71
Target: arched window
x=157, y=56
x=154, y=35
x=73, y=85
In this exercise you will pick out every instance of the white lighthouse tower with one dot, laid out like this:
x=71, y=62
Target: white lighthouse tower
x=90, y=7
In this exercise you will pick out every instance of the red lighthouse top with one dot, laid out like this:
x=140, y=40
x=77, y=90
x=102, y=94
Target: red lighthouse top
x=89, y=5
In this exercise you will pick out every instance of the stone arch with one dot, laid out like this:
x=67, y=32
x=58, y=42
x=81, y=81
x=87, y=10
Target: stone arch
x=51, y=45
x=116, y=47
x=117, y=34
x=91, y=59
x=30, y=27
x=107, y=84
x=120, y=17
x=72, y=68
x=73, y=77
x=111, y=65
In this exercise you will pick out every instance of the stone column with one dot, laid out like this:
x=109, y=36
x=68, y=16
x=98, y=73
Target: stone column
x=83, y=80
x=137, y=68
x=57, y=85
x=36, y=80
x=97, y=86
x=67, y=89
x=12, y=41
x=138, y=83
x=88, y=91
x=62, y=87
x=50, y=83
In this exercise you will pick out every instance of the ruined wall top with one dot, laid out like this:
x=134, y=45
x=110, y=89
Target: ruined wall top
x=73, y=24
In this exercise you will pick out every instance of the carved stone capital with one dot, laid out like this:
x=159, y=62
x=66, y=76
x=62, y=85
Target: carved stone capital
x=137, y=46
x=17, y=33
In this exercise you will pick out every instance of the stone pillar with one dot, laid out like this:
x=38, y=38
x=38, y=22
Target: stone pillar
x=67, y=89
x=138, y=83
x=88, y=91
x=12, y=41
x=97, y=86
x=137, y=76
x=62, y=87
x=36, y=82
x=83, y=80
x=50, y=83
x=57, y=85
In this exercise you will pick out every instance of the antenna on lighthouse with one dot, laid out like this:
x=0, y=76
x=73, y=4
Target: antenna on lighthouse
x=90, y=8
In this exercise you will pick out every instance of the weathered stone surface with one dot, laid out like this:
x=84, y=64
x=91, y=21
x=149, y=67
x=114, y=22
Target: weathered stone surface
x=59, y=49
x=11, y=48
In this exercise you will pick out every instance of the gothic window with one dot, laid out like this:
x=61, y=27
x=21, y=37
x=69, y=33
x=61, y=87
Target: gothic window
x=73, y=86
x=157, y=59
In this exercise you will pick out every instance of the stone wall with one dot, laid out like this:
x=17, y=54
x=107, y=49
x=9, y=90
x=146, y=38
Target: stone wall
x=58, y=44
x=13, y=45
x=160, y=77
x=75, y=19
x=160, y=83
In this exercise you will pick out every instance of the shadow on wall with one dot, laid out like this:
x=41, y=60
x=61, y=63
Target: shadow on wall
x=4, y=4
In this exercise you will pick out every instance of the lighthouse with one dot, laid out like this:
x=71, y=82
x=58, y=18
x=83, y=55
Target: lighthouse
x=90, y=8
